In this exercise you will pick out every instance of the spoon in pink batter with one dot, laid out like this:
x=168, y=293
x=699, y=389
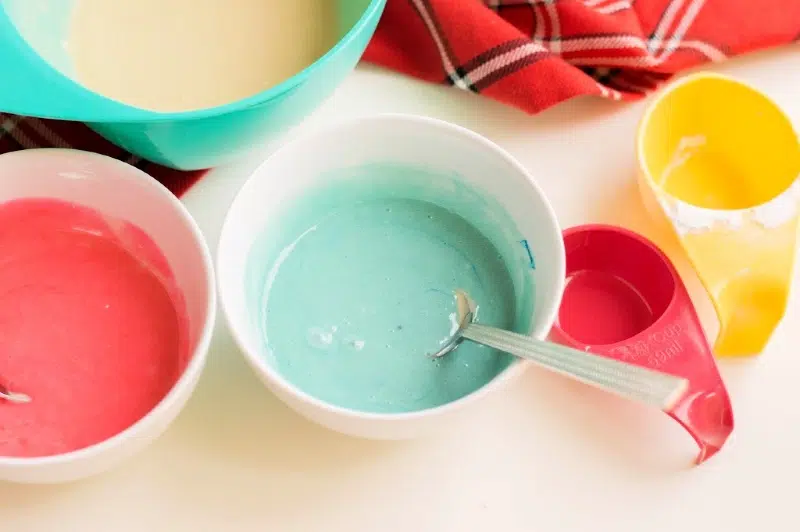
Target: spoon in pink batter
x=13, y=397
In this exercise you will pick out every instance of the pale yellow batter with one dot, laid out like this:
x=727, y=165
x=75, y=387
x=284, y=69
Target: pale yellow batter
x=180, y=55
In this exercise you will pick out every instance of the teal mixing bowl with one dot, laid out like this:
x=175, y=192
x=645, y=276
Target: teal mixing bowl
x=32, y=50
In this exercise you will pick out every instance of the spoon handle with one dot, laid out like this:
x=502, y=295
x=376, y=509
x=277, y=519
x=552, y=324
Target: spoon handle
x=13, y=397
x=627, y=380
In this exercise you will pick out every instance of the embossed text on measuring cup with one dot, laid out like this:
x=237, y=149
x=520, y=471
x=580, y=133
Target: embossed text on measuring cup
x=656, y=348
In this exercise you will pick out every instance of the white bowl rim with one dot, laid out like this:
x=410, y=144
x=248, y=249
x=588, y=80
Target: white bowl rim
x=514, y=370
x=200, y=352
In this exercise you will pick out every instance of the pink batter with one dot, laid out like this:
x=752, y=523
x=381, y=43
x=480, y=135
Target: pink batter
x=92, y=326
x=599, y=308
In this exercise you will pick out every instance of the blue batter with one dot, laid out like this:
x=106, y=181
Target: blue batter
x=361, y=286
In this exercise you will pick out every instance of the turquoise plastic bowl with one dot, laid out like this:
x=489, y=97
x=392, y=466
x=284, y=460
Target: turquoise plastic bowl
x=208, y=137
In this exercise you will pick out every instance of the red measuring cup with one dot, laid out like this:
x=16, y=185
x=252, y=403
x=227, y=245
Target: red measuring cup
x=624, y=299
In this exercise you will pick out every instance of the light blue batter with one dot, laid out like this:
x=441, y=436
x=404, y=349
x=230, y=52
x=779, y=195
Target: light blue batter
x=359, y=286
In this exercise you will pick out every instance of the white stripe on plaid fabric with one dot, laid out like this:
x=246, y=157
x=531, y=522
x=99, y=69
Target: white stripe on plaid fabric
x=57, y=141
x=653, y=45
x=620, y=42
x=538, y=23
x=52, y=138
x=9, y=126
x=618, y=62
x=674, y=43
x=713, y=54
x=691, y=13
x=643, y=61
x=555, y=25
x=494, y=4
x=609, y=93
x=556, y=44
x=507, y=58
x=467, y=80
x=553, y=41
x=615, y=7
x=664, y=24
x=450, y=70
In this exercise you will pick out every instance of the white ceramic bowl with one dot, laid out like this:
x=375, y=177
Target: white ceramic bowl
x=435, y=146
x=118, y=189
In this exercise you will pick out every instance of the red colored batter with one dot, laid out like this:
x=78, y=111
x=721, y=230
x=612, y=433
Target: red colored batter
x=92, y=326
x=599, y=308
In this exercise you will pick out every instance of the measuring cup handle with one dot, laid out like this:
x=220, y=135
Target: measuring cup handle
x=707, y=416
x=630, y=381
x=747, y=272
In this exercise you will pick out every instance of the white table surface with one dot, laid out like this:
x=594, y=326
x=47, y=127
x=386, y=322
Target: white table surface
x=544, y=455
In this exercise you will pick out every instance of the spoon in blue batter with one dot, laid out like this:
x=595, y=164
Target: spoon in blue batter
x=632, y=382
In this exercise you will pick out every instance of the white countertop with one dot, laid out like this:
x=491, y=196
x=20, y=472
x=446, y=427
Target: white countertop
x=545, y=455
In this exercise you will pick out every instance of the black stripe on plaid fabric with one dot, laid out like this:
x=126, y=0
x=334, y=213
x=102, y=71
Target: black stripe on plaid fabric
x=622, y=80
x=454, y=74
x=491, y=53
x=611, y=78
x=472, y=67
x=511, y=68
x=602, y=75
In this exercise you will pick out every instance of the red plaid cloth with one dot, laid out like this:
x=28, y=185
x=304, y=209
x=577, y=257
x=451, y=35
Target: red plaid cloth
x=536, y=53
x=19, y=133
x=528, y=53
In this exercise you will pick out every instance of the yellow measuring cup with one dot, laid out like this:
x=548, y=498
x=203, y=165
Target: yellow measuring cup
x=719, y=161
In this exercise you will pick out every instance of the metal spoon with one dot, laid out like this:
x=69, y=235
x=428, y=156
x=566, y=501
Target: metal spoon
x=13, y=397
x=633, y=382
